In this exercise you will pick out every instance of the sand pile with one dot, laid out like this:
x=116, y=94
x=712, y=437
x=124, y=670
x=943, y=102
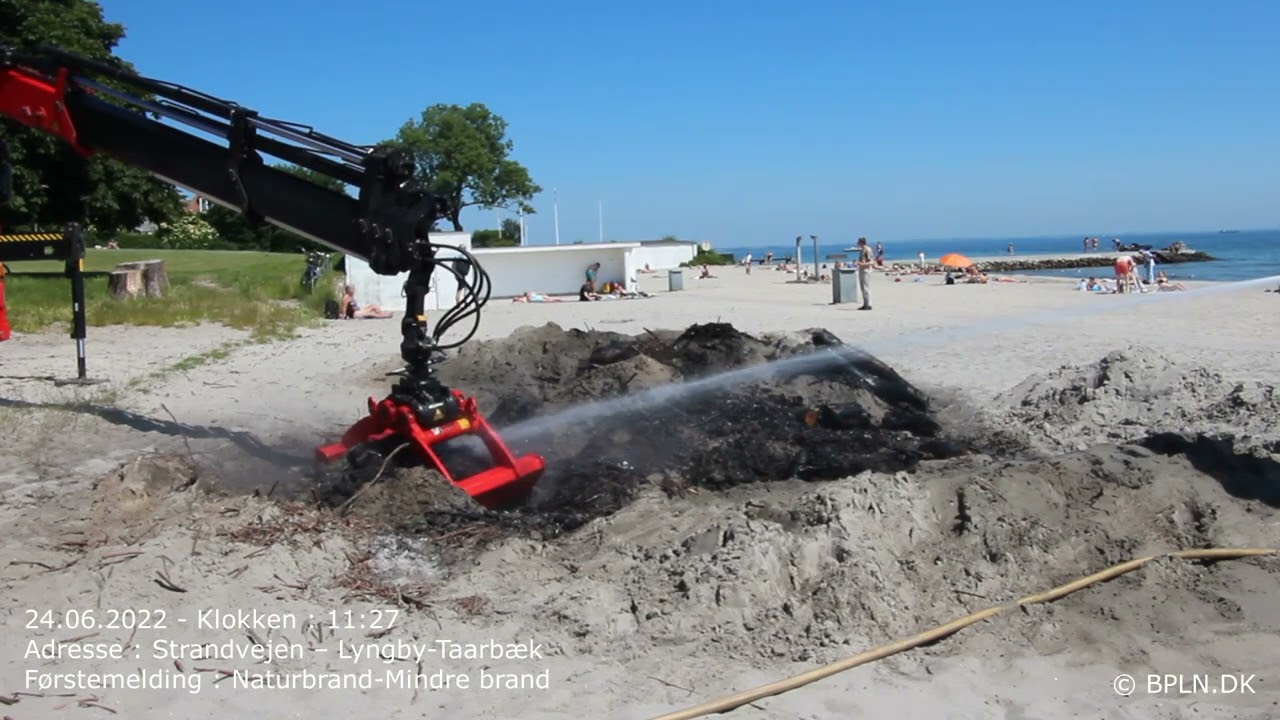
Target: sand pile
x=811, y=572
x=831, y=414
x=1134, y=393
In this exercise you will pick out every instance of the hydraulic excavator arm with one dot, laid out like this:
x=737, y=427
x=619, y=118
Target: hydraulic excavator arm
x=386, y=224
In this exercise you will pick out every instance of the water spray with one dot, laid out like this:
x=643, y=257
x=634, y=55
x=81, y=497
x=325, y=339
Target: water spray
x=822, y=359
x=829, y=357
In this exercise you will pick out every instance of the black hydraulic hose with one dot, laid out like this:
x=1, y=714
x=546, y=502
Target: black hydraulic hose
x=476, y=295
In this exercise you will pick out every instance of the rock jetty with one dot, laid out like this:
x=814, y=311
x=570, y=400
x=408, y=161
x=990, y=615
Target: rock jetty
x=1167, y=256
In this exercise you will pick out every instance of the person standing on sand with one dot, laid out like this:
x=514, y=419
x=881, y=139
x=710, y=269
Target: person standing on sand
x=864, y=264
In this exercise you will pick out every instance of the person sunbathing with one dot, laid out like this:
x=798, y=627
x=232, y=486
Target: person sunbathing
x=353, y=311
x=1163, y=284
x=535, y=297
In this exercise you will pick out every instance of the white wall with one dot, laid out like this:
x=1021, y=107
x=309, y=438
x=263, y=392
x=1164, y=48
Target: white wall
x=664, y=256
x=388, y=291
x=555, y=269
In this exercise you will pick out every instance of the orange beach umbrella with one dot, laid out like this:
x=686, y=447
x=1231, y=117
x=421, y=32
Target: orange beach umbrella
x=955, y=260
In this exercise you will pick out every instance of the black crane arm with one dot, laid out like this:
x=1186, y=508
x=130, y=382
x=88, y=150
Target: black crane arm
x=386, y=225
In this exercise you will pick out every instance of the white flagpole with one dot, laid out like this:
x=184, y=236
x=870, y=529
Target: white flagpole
x=555, y=207
x=521, y=226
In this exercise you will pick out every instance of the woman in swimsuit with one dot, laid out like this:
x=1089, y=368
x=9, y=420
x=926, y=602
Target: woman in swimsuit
x=351, y=310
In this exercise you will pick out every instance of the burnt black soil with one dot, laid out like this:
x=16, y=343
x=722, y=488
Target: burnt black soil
x=833, y=414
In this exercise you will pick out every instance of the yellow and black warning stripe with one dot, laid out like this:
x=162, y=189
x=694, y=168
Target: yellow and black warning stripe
x=32, y=237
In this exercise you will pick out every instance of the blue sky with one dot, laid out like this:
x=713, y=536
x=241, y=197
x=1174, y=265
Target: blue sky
x=753, y=125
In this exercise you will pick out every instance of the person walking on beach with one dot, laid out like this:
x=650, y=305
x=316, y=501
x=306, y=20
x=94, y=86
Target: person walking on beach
x=1150, y=259
x=865, y=262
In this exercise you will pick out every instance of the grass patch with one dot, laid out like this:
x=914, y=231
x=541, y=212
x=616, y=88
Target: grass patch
x=186, y=364
x=255, y=291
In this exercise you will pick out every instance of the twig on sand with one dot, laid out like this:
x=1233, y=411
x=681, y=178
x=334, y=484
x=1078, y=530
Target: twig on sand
x=92, y=702
x=47, y=567
x=342, y=509
x=669, y=684
x=456, y=533
x=32, y=563
x=9, y=700
x=117, y=558
x=292, y=586
x=162, y=579
x=195, y=472
x=138, y=538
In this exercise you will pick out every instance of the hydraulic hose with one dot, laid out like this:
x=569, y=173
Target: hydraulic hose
x=730, y=702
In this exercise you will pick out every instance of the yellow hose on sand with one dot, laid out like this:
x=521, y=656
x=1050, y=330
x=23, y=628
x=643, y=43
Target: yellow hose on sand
x=736, y=700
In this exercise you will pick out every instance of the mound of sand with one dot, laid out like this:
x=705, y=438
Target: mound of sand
x=1131, y=394
x=810, y=573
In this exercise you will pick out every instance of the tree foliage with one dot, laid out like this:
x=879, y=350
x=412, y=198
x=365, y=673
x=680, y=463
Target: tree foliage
x=492, y=238
x=462, y=154
x=511, y=229
x=51, y=183
x=187, y=232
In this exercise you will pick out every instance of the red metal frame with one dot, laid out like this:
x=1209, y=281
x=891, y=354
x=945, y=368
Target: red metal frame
x=5, y=329
x=503, y=485
x=38, y=103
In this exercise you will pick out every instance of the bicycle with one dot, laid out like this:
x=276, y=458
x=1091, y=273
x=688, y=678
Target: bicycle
x=317, y=266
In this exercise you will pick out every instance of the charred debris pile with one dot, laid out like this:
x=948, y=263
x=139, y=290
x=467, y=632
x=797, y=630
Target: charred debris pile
x=710, y=407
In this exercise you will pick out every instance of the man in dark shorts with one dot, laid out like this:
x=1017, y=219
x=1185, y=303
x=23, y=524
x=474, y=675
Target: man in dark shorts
x=864, y=263
x=462, y=267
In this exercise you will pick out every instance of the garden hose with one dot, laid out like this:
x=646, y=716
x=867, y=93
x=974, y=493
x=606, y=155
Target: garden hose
x=736, y=700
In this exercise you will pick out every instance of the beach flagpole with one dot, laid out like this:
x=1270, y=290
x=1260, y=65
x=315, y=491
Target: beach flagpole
x=555, y=209
x=799, y=239
x=522, y=227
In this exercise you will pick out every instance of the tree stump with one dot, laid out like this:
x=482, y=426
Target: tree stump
x=125, y=284
x=155, y=277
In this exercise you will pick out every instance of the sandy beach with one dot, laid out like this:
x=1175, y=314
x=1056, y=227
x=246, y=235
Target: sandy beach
x=159, y=494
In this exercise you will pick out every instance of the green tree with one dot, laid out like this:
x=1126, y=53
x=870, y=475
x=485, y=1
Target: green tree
x=188, y=232
x=53, y=184
x=462, y=154
x=511, y=229
x=492, y=238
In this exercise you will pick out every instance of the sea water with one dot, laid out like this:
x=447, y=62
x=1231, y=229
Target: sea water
x=1242, y=255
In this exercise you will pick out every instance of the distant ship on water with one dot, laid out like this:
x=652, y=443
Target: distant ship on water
x=1227, y=232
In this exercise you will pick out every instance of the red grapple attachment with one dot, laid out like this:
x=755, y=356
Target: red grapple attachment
x=507, y=483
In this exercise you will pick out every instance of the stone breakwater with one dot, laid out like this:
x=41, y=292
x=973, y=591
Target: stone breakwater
x=1163, y=257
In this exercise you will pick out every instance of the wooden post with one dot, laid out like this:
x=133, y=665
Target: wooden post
x=125, y=284
x=155, y=277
